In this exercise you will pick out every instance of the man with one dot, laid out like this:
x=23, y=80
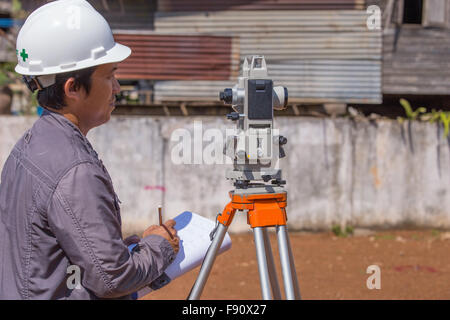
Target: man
x=59, y=212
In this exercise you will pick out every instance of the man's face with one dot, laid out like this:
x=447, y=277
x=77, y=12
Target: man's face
x=100, y=102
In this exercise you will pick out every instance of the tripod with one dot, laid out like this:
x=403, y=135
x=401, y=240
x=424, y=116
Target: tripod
x=265, y=208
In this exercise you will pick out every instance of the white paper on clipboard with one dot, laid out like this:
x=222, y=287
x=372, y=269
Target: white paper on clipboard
x=193, y=231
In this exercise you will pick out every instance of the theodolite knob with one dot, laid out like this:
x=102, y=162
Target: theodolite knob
x=283, y=140
x=240, y=154
x=226, y=96
x=233, y=116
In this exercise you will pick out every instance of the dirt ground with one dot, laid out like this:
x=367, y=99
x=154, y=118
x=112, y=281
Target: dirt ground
x=414, y=264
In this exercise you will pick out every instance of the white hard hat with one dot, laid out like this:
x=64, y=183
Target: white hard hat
x=63, y=36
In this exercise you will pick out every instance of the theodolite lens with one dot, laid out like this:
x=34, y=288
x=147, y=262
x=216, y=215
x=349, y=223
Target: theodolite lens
x=226, y=95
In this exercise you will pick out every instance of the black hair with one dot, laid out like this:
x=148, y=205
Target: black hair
x=54, y=96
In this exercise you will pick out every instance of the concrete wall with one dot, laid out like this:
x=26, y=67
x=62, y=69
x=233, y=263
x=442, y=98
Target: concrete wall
x=377, y=174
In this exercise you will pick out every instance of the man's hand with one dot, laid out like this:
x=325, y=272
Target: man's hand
x=161, y=231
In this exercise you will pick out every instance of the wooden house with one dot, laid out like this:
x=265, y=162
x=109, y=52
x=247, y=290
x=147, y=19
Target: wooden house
x=416, y=52
x=186, y=51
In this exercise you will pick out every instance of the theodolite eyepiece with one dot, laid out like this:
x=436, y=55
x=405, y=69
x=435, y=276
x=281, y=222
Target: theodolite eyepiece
x=226, y=95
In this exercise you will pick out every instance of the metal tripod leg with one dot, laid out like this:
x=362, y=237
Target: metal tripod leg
x=208, y=262
x=271, y=267
x=294, y=273
x=263, y=269
x=287, y=264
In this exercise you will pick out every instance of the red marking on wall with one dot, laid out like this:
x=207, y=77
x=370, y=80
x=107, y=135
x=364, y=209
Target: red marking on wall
x=415, y=268
x=161, y=188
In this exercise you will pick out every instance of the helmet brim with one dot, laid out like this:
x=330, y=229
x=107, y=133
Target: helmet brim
x=117, y=53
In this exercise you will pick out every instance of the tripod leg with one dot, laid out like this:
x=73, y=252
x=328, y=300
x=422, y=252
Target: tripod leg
x=262, y=263
x=294, y=273
x=271, y=267
x=208, y=262
x=283, y=247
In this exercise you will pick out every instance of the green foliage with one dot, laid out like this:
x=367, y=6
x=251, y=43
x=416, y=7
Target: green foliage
x=17, y=11
x=432, y=116
x=410, y=114
x=16, y=6
x=435, y=233
x=3, y=78
x=421, y=114
x=445, y=119
x=337, y=230
x=7, y=74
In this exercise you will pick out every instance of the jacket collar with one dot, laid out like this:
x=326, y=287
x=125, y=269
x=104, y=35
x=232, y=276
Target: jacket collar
x=66, y=123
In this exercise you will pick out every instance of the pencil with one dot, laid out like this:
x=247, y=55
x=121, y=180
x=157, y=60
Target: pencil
x=160, y=215
x=161, y=221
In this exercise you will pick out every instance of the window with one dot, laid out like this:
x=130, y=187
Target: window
x=412, y=11
x=428, y=13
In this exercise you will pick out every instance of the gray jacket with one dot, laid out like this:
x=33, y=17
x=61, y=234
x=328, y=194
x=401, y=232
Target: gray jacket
x=58, y=209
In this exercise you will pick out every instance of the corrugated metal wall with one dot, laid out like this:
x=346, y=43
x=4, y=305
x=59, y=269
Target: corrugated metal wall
x=120, y=14
x=220, y=5
x=417, y=61
x=169, y=57
x=321, y=56
x=326, y=54
x=126, y=14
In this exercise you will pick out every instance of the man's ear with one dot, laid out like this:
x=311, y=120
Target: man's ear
x=71, y=92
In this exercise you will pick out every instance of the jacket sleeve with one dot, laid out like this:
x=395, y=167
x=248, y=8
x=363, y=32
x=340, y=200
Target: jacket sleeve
x=83, y=216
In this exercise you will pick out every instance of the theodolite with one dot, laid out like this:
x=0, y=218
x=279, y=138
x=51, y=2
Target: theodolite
x=255, y=149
